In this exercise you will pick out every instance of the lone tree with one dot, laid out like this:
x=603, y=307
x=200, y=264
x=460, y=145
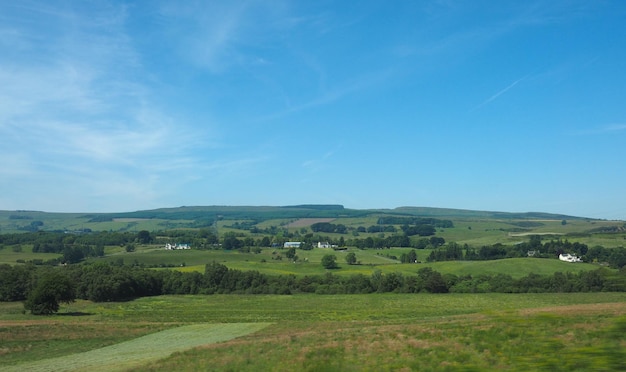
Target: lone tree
x=329, y=261
x=351, y=258
x=52, y=288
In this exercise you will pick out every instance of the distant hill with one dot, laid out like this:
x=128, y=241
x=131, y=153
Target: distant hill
x=464, y=213
x=202, y=216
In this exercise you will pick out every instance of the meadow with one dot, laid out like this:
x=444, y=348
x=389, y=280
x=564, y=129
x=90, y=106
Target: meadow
x=379, y=332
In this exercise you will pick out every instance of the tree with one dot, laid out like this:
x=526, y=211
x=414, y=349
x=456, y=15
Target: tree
x=143, y=237
x=73, y=255
x=432, y=280
x=265, y=242
x=329, y=261
x=410, y=257
x=291, y=253
x=231, y=242
x=351, y=258
x=52, y=288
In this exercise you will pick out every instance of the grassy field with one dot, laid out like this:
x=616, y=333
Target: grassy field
x=556, y=332
x=309, y=262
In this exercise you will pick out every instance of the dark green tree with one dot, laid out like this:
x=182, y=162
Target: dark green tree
x=265, y=242
x=143, y=237
x=329, y=261
x=412, y=256
x=432, y=280
x=52, y=289
x=231, y=242
x=351, y=258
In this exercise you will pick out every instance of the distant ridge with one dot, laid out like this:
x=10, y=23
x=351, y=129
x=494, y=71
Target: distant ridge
x=289, y=211
x=208, y=216
x=321, y=207
x=448, y=212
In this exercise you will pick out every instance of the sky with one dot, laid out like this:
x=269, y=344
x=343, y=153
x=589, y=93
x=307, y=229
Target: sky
x=115, y=106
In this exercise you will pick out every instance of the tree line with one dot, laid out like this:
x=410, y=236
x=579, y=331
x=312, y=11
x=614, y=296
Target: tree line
x=43, y=288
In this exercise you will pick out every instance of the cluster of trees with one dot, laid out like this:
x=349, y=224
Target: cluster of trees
x=421, y=230
x=377, y=229
x=393, y=220
x=615, y=257
x=399, y=240
x=327, y=227
x=43, y=288
x=55, y=241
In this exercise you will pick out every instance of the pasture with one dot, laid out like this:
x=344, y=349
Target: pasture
x=557, y=332
x=309, y=262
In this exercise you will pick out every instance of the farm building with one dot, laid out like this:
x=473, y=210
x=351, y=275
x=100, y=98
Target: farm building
x=569, y=258
x=171, y=247
x=292, y=245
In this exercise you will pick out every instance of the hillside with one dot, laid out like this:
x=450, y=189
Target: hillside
x=203, y=216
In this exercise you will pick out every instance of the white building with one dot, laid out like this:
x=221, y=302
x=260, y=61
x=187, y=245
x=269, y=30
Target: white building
x=569, y=258
x=292, y=244
x=171, y=247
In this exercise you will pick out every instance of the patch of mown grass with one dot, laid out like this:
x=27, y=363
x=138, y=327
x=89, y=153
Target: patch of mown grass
x=39, y=339
x=143, y=349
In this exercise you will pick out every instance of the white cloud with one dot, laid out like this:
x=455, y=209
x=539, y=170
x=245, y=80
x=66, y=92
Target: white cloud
x=77, y=116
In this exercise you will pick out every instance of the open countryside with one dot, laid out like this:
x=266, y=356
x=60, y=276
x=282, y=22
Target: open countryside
x=389, y=290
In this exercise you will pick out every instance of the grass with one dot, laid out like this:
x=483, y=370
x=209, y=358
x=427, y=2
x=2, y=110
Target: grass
x=138, y=351
x=528, y=342
x=309, y=262
x=8, y=256
x=371, y=260
x=375, y=332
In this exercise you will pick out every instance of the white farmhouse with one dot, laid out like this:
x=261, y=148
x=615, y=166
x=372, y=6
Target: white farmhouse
x=171, y=247
x=569, y=258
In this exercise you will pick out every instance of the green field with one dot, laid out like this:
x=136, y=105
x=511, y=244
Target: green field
x=529, y=332
x=309, y=262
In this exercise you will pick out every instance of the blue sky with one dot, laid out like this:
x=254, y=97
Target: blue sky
x=491, y=105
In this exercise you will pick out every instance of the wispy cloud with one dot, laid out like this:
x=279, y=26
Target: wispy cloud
x=76, y=107
x=499, y=93
x=606, y=129
x=335, y=93
x=615, y=128
x=216, y=35
x=317, y=164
